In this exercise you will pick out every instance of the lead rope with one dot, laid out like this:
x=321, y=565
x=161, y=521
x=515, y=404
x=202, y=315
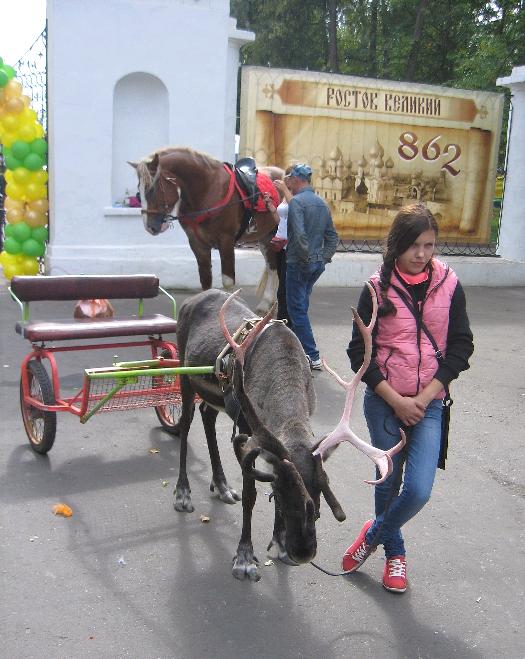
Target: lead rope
x=396, y=484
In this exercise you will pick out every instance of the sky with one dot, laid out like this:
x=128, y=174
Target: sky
x=21, y=22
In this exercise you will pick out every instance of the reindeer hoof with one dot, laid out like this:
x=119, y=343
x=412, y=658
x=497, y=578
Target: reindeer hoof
x=183, y=502
x=275, y=551
x=225, y=493
x=245, y=569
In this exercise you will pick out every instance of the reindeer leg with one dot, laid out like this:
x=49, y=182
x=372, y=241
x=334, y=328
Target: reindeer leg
x=244, y=561
x=182, y=490
x=276, y=548
x=224, y=491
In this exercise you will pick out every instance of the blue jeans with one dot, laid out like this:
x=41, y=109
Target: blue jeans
x=422, y=453
x=300, y=280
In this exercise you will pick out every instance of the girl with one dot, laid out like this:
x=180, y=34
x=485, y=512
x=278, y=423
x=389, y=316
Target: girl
x=421, y=342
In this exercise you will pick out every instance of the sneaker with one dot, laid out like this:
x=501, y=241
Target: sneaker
x=357, y=553
x=315, y=364
x=395, y=574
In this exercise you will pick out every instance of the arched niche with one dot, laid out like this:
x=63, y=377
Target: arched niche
x=140, y=126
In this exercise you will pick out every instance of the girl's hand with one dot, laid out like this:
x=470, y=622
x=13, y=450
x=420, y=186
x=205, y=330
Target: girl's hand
x=409, y=410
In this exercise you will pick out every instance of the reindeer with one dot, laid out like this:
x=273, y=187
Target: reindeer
x=272, y=383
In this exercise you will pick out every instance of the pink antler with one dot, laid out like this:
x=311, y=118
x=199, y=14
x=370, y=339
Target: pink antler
x=240, y=350
x=342, y=432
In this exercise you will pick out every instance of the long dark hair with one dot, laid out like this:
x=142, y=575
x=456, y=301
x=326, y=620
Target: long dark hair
x=408, y=225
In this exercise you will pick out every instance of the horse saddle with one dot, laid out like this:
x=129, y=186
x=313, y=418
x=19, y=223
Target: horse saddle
x=246, y=176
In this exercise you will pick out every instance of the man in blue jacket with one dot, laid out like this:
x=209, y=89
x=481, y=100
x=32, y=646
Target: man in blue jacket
x=312, y=241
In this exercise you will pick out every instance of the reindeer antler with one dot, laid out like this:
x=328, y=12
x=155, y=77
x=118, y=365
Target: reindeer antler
x=262, y=437
x=240, y=350
x=342, y=432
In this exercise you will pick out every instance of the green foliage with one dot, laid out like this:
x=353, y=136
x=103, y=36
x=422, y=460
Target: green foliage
x=462, y=43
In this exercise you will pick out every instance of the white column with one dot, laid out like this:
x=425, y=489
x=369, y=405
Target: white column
x=512, y=232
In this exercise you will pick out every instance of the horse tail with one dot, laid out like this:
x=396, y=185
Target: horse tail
x=261, y=286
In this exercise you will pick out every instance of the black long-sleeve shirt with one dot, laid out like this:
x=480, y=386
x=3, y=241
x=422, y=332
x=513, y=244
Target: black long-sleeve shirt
x=460, y=344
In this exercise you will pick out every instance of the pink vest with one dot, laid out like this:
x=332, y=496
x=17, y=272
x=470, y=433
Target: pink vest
x=407, y=367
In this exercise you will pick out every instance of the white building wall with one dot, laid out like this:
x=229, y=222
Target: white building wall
x=188, y=46
x=512, y=232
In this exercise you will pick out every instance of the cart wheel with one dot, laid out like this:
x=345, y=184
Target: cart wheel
x=169, y=415
x=40, y=426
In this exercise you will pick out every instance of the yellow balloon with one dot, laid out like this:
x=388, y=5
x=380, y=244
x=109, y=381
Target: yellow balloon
x=14, y=215
x=15, y=105
x=14, y=190
x=13, y=89
x=10, y=122
x=40, y=176
x=8, y=138
x=29, y=265
x=34, y=191
x=26, y=132
x=39, y=131
x=21, y=175
x=10, y=271
x=9, y=176
x=9, y=259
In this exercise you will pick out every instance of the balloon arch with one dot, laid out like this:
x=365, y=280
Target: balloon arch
x=25, y=161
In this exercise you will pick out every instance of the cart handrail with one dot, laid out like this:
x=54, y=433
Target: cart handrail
x=119, y=372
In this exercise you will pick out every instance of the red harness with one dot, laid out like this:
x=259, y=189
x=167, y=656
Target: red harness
x=264, y=183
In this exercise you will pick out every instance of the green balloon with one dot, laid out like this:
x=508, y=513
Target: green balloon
x=40, y=234
x=12, y=246
x=20, y=149
x=32, y=247
x=33, y=162
x=21, y=232
x=11, y=73
x=1, y=62
x=9, y=230
x=11, y=162
x=38, y=146
x=4, y=78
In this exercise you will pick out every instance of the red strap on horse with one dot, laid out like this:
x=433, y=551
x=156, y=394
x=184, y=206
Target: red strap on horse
x=212, y=212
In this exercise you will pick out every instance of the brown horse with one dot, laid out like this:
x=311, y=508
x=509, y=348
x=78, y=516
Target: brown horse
x=179, y=183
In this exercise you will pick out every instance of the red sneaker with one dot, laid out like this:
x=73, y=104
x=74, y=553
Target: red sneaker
x=395, y=574
x=356, y=554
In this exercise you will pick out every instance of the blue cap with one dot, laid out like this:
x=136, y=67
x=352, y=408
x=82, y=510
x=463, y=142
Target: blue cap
x=301, y=171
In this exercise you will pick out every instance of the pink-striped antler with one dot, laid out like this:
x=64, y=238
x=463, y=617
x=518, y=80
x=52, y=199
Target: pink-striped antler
x=342, y=432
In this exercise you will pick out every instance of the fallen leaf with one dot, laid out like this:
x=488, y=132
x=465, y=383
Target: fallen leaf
x=165, y=483
x=62, y=509
x=269, y=562
x=204, y=519
x=153, y=450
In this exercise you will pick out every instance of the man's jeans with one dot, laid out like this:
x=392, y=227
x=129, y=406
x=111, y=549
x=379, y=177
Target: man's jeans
x=300, y=280
x=422, y=453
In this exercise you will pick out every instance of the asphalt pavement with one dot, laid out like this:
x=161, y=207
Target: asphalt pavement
x=127, y=576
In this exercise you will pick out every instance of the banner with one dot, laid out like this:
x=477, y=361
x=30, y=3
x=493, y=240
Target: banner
x=376, y=145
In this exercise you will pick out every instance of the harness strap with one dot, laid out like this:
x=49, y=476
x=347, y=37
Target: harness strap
x=211, y=212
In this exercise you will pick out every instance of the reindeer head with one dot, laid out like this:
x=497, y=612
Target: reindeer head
x=297, y=481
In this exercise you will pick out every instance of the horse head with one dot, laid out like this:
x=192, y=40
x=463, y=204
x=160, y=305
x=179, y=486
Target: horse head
x=159, y=194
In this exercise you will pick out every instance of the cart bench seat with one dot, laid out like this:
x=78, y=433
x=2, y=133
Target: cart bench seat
x=78, y=287
x=95, y=328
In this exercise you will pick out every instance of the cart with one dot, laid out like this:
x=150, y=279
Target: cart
x=152, y=382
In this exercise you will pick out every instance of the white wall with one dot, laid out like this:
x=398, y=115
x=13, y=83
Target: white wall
x=512, y=232
x=102, y=56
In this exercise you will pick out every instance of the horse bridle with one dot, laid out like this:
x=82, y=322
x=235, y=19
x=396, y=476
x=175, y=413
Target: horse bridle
x=166, y=215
